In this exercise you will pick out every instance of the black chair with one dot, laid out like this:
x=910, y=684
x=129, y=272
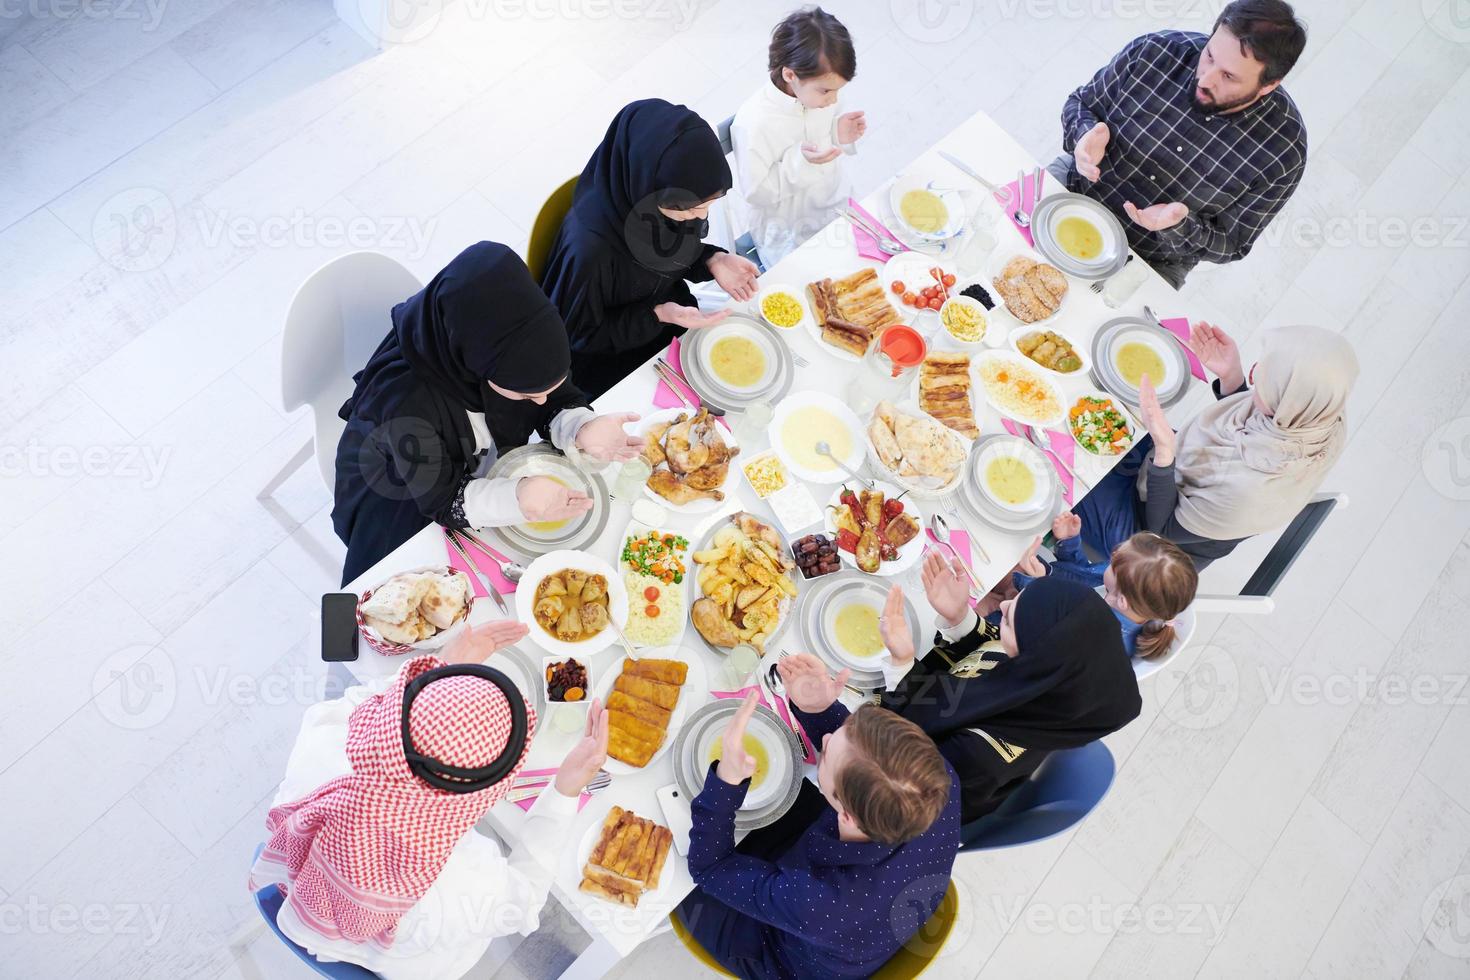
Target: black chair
x=1255, y=595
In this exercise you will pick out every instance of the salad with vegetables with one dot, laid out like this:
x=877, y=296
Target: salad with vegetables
x=656, y=553
x=1099, y=427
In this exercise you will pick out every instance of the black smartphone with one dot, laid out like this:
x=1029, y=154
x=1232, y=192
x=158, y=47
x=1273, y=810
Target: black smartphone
x=339, y=627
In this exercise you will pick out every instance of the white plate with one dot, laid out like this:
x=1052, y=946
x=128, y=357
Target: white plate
x=950, y=197
x=555, y=561
x=999, y=259
x=780, y=287
x=589, y=842
x=1023, y=364
x=912, y=269
x=779, y=776
x=705, y=505
x=705, y=543
x=1111, y=246
x=694, y=693
x=844, y=415
x=1014, y=338
x=1122, y=408
x=908, y=555
x=636, y=527
x=1033, y=460
x=815, y=329
x=1172, y=379
x=832, y=609
x=745, y=330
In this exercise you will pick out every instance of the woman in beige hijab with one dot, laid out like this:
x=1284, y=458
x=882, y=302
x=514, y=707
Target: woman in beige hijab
x=1244, y=465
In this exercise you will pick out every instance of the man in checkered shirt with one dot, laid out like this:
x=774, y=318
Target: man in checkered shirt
x=1189, y=139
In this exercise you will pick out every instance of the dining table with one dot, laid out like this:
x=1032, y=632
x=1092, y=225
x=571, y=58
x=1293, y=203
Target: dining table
x=984, y=147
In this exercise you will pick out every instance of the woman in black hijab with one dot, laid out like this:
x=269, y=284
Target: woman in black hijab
x=476, y=362
x=634, y=234
x=1053, y=674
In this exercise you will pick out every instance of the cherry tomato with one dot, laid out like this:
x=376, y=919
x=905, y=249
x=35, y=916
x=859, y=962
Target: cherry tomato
x=935, y=302
x=651, y=593
x=909, y=298
x=897, y=286
x=651, y=612
x=949, y=279
x=935, y=271
x=926, y=292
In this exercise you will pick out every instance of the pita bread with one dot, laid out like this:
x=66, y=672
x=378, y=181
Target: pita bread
x=396, y=599
x=394, y=632
x=444, y=602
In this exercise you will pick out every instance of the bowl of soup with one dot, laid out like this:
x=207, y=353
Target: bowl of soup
x=763, y=742
x=1014, y=476
x=805, y=418
x=926, y=210
x=738, y=356
x=1080, y=235
x=1135, y=353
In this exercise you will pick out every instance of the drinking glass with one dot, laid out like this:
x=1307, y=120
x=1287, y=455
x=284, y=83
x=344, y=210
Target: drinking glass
x=632, y=475
x=740, y=663
x=1121, y=286
x=750, y=425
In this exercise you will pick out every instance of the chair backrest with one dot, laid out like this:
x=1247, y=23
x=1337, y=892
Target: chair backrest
x=919, y=953
x=1185, y=624
x=1289, y=546
x=339, y=316
x=727, y=145
x=547, y=224
x=268, y=900
x=1063, y=790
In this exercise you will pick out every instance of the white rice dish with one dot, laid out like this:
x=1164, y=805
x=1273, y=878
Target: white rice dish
x=653, y=631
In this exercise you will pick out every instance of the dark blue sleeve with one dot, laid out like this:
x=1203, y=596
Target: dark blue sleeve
x=763, y=890
x=818, y=726
x=1072, y=564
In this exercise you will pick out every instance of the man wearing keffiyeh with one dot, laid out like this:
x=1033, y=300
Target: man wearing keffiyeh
x=1190, y=139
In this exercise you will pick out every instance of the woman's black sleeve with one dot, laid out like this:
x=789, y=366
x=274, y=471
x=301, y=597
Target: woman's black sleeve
x=422, y=468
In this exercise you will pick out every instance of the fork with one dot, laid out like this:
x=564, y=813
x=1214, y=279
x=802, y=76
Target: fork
x=1102, y=284
x=598, y=783
x=885, y=244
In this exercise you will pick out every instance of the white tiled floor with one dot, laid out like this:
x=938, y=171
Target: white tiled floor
x=1295, y=802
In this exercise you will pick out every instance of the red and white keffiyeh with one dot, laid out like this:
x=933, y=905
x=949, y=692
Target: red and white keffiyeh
x=356, y=854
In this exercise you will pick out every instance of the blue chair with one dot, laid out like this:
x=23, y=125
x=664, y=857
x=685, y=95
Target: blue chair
x=269, y=900
x=1062, y=791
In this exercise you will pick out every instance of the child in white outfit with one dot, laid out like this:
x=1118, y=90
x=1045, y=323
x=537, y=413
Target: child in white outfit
x=789, y=137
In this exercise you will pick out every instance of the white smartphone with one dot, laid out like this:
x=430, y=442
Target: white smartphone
x=677, y=813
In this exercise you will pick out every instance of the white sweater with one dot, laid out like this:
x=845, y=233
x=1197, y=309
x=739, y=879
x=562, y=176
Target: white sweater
x=479, y=895
x=785, y=198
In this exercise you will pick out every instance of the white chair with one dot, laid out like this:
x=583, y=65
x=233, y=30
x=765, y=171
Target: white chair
x=1255, y=596
x=339, y=316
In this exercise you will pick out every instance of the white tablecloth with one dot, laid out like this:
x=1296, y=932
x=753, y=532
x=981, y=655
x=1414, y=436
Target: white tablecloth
x=988, y=149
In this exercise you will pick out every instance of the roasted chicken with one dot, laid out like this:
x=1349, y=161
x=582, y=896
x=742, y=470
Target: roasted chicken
x=690, y=458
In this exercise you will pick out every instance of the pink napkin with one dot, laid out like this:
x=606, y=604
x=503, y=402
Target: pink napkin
x=1019, y=192
x=663, y=395
x=780, y=708
x=867, y=245
x=545, y=776
x=1062, y=445
x=961, y=541
x=488, y=568
x=1179, y=327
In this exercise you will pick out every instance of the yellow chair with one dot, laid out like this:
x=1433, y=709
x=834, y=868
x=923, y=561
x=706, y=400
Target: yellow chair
x=911, y=960
x=547, y=224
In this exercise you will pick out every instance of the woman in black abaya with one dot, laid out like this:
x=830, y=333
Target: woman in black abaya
x=475, y=363
x=1054, y=674
x=634, y=235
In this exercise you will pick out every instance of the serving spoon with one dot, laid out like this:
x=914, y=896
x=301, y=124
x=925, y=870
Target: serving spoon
x=824, y=449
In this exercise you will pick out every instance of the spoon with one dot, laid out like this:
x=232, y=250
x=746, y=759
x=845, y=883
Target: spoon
x=512, y=570
x=1020, y=218
x=940, y=528
x=1046, y=447
x=826, y=450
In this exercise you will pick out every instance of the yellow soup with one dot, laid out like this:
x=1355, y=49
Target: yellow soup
x=923, y=211
x=1079, y=238
x=857, y=630
x=1010, y=480
x=1135, y=359
x=546, y=527
x=755, y=750
x=737, y=361
x=805, y=427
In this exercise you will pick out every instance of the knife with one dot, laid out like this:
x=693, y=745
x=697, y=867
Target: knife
x=969, y=171
x=484, y=579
